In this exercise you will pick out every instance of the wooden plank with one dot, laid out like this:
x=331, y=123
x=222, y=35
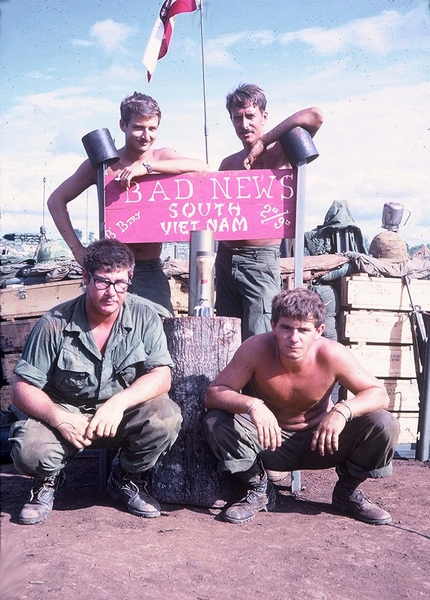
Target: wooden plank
x=403, y=394
x=408, y=427
x=387, y=360
x=8, y=363
x=34, y=300
x=376, y=326
x=384, y=293
x=13, y=334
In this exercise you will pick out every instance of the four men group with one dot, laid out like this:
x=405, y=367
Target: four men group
x=95, y=371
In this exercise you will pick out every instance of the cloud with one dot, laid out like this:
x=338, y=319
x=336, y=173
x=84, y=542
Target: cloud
x=83, y=43
x=219, y=51
x=43, y=75
x=376, y=35
x=110, y=35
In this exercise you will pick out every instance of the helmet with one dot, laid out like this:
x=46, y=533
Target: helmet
x=389, y=246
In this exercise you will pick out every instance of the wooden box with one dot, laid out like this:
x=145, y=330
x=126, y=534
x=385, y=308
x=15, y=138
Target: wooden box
x=386, y=361
x=8, y=362
x=376, y=326
x=34, y=300
x=403, y=394
x=408, y=427
x=383, y=293
x=5, y=396
x=13, y=334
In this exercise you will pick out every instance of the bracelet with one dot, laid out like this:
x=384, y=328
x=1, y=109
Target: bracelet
x=148, y=167
x=351, y=416
x=335, y=408
x=253, y=404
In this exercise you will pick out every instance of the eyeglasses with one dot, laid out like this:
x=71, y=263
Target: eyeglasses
x=103, y=284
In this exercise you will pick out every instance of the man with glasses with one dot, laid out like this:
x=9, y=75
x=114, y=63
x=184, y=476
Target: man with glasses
x=94, y=373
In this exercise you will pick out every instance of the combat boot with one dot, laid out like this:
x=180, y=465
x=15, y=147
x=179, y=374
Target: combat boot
x=39, y=507
x=350, y=500
x=261, y=495
x=132, y=489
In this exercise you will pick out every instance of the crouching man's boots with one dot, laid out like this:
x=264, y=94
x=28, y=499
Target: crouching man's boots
x=132, y=489
x=260, y=496
x=39, y=507
x=348, y=499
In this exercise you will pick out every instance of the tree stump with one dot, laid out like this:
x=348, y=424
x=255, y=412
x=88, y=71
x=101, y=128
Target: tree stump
x=200, y=348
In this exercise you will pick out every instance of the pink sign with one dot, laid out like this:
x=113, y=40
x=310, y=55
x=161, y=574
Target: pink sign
x=234, y=205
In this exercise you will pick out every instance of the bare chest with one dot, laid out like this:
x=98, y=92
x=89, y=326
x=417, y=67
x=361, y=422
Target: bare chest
x=292, y=393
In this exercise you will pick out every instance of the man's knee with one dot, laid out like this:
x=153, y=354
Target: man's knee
x=215, y=422
x=159, y=419
x=386, y=424
x=169, y=417
x=36, y=450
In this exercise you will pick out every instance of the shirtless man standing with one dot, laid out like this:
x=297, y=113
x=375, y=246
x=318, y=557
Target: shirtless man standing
x=248, y=272
x=290, y=422
x=140, y=119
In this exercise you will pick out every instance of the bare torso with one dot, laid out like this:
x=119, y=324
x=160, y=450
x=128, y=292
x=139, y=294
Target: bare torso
x=271, y=158
x=298, y=394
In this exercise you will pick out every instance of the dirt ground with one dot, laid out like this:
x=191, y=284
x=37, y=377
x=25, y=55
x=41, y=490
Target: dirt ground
x=91, y=548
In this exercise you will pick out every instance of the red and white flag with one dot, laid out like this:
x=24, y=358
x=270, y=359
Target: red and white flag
x=159, y=40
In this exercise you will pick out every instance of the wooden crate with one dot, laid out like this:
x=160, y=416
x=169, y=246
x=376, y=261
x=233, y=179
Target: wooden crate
x=408, y=427
x=5, y=396
x=13, y=334
x=383, y=293
x=386, y=361
x=383, y=327
x=8, y=362
x=403, y=394
x=34, y=300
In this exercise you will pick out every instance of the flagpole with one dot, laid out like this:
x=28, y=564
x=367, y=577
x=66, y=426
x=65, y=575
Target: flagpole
x=204, y=82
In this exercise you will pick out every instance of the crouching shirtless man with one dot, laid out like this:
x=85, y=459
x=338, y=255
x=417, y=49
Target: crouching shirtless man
x=289, y=422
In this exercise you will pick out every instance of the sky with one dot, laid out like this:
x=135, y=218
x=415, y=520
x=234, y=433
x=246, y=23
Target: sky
x=66, y=66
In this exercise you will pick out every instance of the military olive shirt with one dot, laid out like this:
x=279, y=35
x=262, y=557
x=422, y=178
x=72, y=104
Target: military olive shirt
x=61, y=358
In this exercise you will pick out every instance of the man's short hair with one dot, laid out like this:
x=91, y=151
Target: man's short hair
x=109, y=255
x=139, y=104
x=244, y=95
x=299, y=304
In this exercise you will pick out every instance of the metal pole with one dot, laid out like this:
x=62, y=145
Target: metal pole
x=206, y=133
x=101, y=198
x=423, y=441
x=299, y=240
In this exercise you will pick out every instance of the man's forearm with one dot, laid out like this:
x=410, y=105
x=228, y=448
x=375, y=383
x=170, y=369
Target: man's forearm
x=146, y=387
x=35, y=403
x=60, y=215
x=369, y=400
x=223, y=398
x=310, y=119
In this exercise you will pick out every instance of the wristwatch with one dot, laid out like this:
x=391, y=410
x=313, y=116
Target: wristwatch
x=148, y=167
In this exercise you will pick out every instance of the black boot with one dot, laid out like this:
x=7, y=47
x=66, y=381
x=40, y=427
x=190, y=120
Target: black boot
x=348, y=499
x=132, y=489
x=39, y=507
x=261, y=495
